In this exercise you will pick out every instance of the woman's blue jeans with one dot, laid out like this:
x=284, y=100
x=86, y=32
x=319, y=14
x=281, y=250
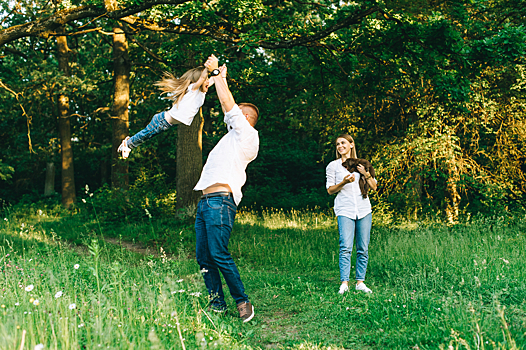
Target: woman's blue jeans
x=351, y=230
x=157, y=125
x=213, y=224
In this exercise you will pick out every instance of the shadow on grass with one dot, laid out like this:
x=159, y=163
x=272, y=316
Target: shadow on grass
x=432, y=284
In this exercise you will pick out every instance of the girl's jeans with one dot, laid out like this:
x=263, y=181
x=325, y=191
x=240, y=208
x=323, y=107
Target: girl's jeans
x=349, y=230
x=213, y=224
x=156, y=126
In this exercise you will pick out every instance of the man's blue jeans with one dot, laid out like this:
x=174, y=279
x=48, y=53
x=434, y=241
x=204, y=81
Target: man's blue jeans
x=213, y=224
x=350, y=229
x=157, y=125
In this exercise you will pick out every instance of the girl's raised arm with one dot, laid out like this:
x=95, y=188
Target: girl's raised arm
x=202, y=79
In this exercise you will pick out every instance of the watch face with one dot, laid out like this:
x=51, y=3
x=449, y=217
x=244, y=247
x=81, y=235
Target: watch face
x=215, y=72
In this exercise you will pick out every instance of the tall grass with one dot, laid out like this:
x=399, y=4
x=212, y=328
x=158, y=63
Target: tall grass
x=435, y=286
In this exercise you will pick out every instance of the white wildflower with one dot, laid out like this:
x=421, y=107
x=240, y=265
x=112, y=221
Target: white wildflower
x=179, y=281
x=58, y=294
x=36, y=302
x=72, y=306
x=477, y=281
x=29, y=288
x=39, y=347
x=81, y=325
x=76, y=266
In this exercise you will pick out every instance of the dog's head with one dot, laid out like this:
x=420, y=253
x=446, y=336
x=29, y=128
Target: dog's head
x=350, y=164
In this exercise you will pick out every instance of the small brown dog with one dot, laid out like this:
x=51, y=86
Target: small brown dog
x=351, y=165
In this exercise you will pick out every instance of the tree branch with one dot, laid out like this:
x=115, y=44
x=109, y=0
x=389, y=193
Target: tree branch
x=16, y=52
x=355, y=18
x=45, y=26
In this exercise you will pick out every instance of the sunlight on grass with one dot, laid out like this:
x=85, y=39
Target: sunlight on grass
x=101, y=297
x=435, y=286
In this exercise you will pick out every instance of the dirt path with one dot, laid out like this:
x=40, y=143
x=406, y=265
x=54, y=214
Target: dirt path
x=133, y=247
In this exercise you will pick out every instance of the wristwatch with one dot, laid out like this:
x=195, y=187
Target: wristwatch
x=215, y=72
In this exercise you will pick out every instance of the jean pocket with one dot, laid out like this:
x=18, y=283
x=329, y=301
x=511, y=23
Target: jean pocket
x=214, y=202
x=227, y=202
x=165, y=126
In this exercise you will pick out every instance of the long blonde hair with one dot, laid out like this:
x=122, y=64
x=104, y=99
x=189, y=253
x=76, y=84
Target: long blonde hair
x=350, y=139
x=177, y=87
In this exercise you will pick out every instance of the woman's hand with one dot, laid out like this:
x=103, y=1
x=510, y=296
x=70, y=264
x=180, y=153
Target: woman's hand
x=361, y=169
x=338, y=187
x=348, y=179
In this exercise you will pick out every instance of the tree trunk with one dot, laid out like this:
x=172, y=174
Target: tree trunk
x=416, y=201
x=189, y=161
x=49, y=187
x=64, y=127
x=121, y=99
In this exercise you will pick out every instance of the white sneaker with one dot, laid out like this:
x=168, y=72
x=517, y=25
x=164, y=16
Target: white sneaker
x=124, y=149
x=343, y=288
x=363, y=288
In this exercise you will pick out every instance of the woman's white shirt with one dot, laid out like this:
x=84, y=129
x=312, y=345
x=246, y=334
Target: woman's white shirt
x=349, y=201
x=188, y=106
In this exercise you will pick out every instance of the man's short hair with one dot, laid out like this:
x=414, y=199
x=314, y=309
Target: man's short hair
x=253, y=107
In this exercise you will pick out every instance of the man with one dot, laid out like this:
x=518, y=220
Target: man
x=221, y=181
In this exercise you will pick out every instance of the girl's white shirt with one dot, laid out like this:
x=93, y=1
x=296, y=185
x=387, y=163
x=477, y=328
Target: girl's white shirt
x=188, y=106
x=349, y=201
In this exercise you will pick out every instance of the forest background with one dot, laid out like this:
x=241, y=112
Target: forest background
x=433, y=93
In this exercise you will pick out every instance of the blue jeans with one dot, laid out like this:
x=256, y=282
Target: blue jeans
x=349, y=230
x=213, y=224
x=157, y=125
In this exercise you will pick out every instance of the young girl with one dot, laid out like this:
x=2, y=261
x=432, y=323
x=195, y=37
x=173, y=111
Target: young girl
x=188, y=93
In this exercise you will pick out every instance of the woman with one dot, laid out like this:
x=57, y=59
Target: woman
x=353, y=212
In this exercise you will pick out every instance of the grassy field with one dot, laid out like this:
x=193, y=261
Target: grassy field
x=435, y=286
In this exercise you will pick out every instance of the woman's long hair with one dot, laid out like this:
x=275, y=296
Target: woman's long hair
x=177, y=87
x=350, y=139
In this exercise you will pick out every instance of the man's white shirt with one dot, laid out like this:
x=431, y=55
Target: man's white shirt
x=228, y=160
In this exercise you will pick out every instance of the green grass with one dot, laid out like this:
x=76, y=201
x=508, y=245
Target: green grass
x=435, y=286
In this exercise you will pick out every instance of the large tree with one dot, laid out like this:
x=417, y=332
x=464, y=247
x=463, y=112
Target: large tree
x=64, y=127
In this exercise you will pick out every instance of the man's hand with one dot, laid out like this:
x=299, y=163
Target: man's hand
x=212, y=63
x=223, y=70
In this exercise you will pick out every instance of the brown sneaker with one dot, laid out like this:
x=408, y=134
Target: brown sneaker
x=246, y=310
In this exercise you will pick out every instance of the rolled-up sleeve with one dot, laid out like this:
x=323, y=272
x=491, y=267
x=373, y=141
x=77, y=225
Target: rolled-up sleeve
x=234, y=119
x=331, y=175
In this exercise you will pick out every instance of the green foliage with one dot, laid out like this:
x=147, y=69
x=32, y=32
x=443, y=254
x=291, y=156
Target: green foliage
x=419, y=85
x=6, y=171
